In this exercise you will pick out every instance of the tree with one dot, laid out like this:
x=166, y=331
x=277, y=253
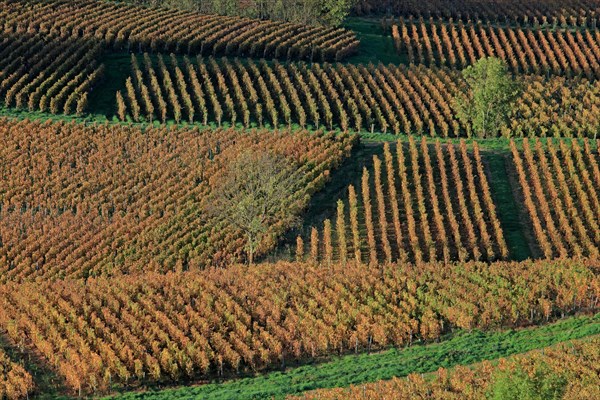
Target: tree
x=334, y=12
x=253, y=194
x=542, y=384
x=492, y=91
x=327, y=12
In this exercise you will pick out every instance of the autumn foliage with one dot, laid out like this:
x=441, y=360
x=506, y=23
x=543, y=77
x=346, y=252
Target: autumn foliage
x=574, y=13
x=358, y=98
x=53, y=73
x=80, y=201
x=546, y=108
x=392, y=99
x=15, y=382
x=421, y=203
x=524, y=50
x=123, y=26
x=188, y=325
x=560, y=184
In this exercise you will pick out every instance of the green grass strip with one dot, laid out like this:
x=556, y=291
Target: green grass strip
x=500, y=144
x=506, y=205
x=375, y=46
x=460, y=349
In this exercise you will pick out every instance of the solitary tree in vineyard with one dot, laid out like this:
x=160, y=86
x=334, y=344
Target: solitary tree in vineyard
x=251, y=195
x=492, y=91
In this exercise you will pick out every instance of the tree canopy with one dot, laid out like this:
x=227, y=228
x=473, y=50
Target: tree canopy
x=251, y=195
x=491, y=93
x=324, y=12
x=540, y=384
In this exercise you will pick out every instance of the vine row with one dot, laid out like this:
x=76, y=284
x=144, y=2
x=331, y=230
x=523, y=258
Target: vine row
x=178, y=327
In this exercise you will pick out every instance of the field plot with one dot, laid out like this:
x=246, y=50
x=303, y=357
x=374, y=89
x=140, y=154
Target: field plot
x=81, y=201
x=420, y=203
x=459, y=348
x=224, y=207
x=525, y=50
x=557, y=107
x=15, y=382
x=394, y=99
x=126, y=27
x=50, y=73
x=572, y=364
x=218, y=322
x=556, y=12
x=561, y=188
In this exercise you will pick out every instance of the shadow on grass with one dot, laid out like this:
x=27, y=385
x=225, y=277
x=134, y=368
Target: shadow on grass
x=375, y=46
x=323, y=204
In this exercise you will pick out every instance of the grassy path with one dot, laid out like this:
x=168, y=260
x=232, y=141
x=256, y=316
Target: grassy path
x=103, y=103
x=374, y=46
x=460, y=349
x=506, y=206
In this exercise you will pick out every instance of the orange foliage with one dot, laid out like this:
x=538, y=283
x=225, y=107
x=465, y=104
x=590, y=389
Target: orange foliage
x=128, y=27
x=192, y=325
x=81, y=201
x=439, y=209
x=15, y=382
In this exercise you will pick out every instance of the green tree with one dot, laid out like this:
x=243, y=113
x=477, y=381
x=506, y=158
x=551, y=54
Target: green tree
x=491, y=93
x=181, y=4
x=326, y=12
x=334, y=12
x=544, y=384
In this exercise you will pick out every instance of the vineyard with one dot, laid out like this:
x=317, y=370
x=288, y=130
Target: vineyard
x=378, y=200
x=387, y=99
x=357, y=98
x=527, y=51
x=133, y=28
x=178, y=326
x=561, y=187
x=557, y=107
x=582, y=13
x=423, y=202
x=48, y=73
x=418, y=203
x=122, y=219
x=574, y=362
x=15, y=382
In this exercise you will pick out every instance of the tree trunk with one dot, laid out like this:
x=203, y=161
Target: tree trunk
x=250, y=249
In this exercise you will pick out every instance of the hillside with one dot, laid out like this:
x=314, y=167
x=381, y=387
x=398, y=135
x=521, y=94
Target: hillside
x=343, y=199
